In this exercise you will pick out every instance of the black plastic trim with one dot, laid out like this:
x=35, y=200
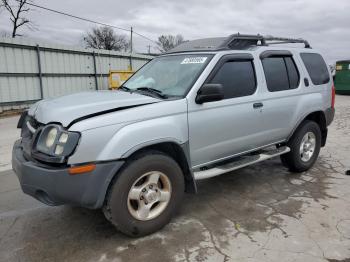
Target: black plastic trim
x=329, y=114
x=22, y=119
x=275, y=53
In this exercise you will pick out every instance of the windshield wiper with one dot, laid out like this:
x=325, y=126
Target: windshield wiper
x=124, y=88
x=152, y=91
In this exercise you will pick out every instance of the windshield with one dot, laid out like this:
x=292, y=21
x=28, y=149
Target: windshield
x=170, y=76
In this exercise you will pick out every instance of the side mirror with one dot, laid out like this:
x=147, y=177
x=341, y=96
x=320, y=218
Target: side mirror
x=210, y=93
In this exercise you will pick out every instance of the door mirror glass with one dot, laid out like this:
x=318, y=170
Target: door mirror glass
x=210, y=93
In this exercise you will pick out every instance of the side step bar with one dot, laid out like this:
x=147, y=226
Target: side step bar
x=239, y=163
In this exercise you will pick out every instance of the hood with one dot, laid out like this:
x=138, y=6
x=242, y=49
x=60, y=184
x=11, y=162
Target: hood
x=67, y=109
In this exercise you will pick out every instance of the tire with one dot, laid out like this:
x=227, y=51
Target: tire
x=296, y=161
x=128, y=215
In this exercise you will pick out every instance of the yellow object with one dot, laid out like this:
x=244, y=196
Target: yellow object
x=339, y=67
x=118, y=77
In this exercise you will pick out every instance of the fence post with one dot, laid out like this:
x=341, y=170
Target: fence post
x=95, y=70
x=40, y=72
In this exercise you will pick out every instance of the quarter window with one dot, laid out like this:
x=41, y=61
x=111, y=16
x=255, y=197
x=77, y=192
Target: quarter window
x=237, y=78
x=281, y=73
x=316, y=67
x=293, y=73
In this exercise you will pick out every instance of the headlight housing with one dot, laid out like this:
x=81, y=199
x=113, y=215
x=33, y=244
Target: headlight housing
x=54, y=144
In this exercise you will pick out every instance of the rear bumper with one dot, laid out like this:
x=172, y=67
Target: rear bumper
x=54, y=186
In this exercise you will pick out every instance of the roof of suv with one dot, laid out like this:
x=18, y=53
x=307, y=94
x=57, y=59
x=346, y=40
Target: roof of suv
x=233, y=42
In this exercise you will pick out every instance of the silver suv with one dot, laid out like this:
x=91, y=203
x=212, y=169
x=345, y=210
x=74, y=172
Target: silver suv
x=205, y=108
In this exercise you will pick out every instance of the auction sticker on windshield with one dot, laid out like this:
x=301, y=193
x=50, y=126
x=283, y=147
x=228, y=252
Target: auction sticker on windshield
x=194, y=60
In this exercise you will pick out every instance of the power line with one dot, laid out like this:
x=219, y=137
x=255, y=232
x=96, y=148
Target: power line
x=136, y=33
x=89, y=20
x=76, y=17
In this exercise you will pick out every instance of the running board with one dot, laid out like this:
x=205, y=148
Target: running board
x=239, y=163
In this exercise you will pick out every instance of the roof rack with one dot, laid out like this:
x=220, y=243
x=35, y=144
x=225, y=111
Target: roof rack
x=236, y=41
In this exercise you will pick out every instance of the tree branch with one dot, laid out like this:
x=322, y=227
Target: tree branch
x=16, y=12
x=8, y=7
x=23, y=22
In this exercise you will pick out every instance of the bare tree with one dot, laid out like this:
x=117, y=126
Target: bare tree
x=105, y=38
x=167, y=42
x=17, y=10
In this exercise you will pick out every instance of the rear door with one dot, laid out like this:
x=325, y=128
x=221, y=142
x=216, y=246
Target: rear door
x=283, y=90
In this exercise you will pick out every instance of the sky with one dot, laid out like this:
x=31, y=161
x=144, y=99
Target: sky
x=324, y=23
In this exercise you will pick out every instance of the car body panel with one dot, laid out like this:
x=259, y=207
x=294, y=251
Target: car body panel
x=115, y=124
x=66, y=109
x=129, y=130
x=125, y=122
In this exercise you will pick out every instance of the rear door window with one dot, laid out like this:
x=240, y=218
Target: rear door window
x=316, y=67
x=281, y=73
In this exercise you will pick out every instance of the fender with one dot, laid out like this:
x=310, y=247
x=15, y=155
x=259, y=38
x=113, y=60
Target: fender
x=116, y=135
x=166, y=130
x=300, y=120
x=134, y=136
x=308, y=104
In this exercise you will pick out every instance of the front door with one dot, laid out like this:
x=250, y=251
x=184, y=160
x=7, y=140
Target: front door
x=220, y=129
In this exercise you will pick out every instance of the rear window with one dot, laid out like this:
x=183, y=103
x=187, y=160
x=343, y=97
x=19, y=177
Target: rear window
x=316, y=67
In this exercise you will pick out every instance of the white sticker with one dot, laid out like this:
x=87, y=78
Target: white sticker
x=194, y=60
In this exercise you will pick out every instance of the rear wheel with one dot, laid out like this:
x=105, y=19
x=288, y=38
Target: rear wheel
x=305, y=146
x=145, y=194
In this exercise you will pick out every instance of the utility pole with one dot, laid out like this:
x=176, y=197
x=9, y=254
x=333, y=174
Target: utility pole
x=149, y=49
x=131, y=39
x=130, y=66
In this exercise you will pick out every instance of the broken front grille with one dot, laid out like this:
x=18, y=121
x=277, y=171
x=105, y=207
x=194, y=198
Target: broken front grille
x=28, y=133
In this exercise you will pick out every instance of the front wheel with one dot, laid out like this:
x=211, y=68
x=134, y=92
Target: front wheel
x=145, y=194
x=305, y=146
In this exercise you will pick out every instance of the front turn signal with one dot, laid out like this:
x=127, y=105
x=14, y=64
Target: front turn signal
x=76, y=170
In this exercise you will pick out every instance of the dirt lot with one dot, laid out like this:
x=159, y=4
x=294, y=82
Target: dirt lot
x=259, y=213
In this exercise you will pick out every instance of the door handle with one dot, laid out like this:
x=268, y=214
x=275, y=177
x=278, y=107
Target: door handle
x=258, y=105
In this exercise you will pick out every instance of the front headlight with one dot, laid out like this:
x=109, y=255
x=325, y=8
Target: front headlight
x=55, y=142
x=51, y=137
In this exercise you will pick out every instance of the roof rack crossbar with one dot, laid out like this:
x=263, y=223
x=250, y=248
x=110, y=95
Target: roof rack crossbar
x=234, y=40
x=283, y=40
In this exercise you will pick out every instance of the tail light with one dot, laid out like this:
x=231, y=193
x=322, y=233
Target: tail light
x=333, y=96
